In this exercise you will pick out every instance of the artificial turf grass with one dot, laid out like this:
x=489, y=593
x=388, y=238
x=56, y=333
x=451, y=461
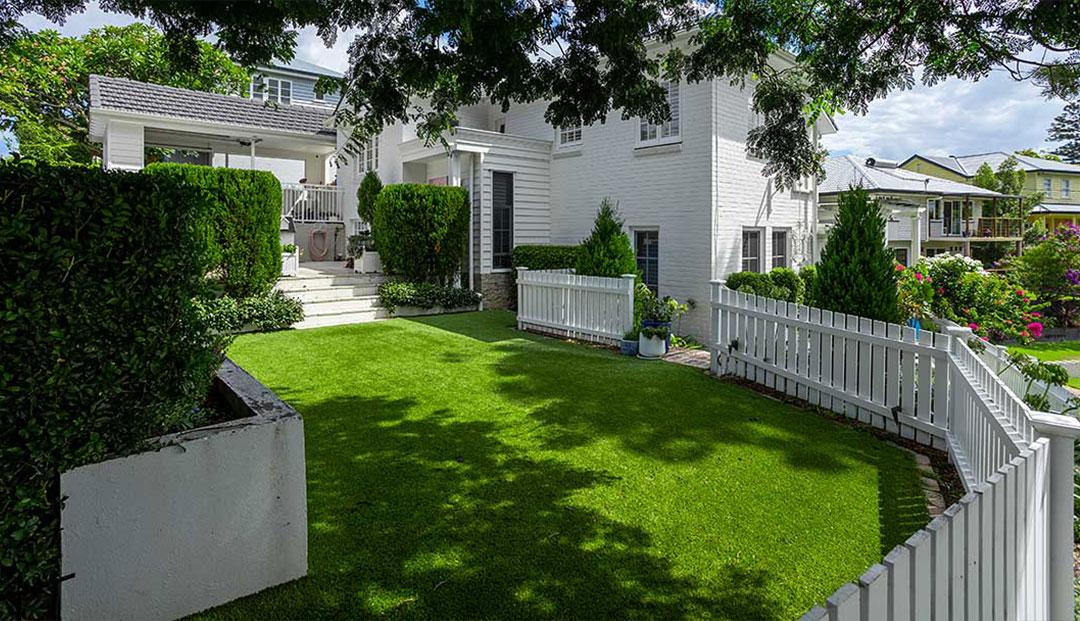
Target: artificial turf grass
x=457, y=468
x=1050, y=351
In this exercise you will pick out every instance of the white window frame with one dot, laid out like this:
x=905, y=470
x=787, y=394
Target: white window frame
x=668, y=132
x=1066, y=188
x=634, y=242
x=772, y=247
x=570, y=136
x=266, y=89
x=760, y=249
x=1048, y=187
x=513, y=218
x=367, y=156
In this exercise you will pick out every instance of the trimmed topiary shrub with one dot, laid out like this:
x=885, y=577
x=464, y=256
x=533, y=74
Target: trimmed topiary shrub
x=366, y=195
x=807, y=275
x=754, y=283
x=786, y=279
x=607, y=251
x=101, y=344
x=857, y=273
x=421, y=231
x=242, y=224
x=393, y=294
x=546, y=257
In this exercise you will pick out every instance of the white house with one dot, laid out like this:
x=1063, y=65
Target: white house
x=925, y=215
x=695, y=203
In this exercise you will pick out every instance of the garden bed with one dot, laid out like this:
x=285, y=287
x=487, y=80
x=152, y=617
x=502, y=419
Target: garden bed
x=211, y=514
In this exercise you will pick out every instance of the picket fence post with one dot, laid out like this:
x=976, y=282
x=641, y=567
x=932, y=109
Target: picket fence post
x=522, y=302
x=628, y=316
x=1062, y=432
x=716, y=290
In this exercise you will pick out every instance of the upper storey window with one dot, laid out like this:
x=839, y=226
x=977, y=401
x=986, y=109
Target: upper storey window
x=668, y=131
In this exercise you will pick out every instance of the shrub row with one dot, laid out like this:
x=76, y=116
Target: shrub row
x=393, y=294
x=546, y=257
x=422, y=231
x=272, y=311
x=241, y=223
x=781, y=283
x=101, y=343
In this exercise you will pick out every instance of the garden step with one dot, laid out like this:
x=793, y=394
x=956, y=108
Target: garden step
x=301, y=283
x=339, y=292
x=335, y=307
x=340, y=319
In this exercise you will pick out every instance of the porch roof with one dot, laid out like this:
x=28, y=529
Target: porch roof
x=147, y=102
x=1052, y=208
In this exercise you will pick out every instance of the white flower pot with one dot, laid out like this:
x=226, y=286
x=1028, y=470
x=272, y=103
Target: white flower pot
x=651, y=347
x=368, y=263
x=290, y=263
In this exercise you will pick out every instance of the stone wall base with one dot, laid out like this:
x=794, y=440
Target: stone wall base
x=498, y=290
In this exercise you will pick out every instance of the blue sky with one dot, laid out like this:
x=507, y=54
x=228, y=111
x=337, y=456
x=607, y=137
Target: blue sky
x=955, y=117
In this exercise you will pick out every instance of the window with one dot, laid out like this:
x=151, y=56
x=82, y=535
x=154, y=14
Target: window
x=272, y=89
x=755, y=118
x=901, y=255
x=1048, y=188
x=779, y=248
x=319, y=96
x=570, y=135
x=367, y=157
x=647, y=251
x=751, y=250
x=933, y=209
x=502, y=214
x=1066, y=188
x=668, y=131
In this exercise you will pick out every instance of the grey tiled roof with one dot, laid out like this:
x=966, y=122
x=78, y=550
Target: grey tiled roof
x=1056, y=208
x=125, y=95
x=304, y=66
x=844, y=171
x=995, y=158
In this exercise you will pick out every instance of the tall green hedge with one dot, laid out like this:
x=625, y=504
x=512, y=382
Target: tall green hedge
x=242, y=224
x=548, y=257
x=422, y=231
x=100, y=344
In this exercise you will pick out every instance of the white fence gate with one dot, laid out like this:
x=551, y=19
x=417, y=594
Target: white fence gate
x=586, y=307
x=1005, y=550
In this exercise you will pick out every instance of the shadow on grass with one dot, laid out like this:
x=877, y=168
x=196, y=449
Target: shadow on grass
x=435, y=517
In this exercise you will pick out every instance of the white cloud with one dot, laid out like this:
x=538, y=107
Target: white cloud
x=953, y=118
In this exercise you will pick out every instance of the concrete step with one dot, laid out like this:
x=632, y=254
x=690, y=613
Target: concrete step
x=339, y=292
x=301, y=283
x=340, y=319
x=336, y=307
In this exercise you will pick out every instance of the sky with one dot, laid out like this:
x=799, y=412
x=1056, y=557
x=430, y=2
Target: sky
x=952, y=118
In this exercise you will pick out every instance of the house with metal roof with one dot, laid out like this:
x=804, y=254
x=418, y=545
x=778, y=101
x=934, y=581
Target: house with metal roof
x=926, y=215
x=1057, y=182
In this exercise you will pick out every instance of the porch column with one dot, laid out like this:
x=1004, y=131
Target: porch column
x=453, y=169
x=916, y=238
x=315, y=168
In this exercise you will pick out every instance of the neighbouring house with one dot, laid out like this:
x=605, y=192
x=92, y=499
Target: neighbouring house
x=694, y=201
x=926, y=215
x=1058, y=182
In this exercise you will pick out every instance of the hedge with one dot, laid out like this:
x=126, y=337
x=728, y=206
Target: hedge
x=545, y=257
x=421, y=231
x=242, y=224
x=100, y=343
x=263, y=313
x=393, y=294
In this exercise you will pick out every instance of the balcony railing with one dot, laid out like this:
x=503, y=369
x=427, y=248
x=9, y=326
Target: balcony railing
x=978, y=228
x=311, y=203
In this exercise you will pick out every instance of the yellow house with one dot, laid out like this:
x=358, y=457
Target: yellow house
x=1058, y=182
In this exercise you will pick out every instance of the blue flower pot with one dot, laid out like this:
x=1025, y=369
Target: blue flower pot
x=628, y=347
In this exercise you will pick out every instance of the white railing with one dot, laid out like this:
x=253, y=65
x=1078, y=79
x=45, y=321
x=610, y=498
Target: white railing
x=311, y=203
x=1005, y=550
x=588, y=307
x=995, y=357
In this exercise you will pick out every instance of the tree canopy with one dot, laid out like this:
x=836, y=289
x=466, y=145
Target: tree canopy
x=592, y=57
x=44, y=85
x=1066, y=129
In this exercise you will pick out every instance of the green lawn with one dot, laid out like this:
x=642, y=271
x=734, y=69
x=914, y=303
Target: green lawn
x=460, y=469
x=1051, y=351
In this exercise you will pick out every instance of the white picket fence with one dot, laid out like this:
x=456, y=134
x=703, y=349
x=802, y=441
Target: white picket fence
x=585, y=307
x=1003, y=551
x=995, y=358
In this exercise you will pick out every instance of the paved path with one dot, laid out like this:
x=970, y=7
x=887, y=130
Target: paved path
x=698, y=358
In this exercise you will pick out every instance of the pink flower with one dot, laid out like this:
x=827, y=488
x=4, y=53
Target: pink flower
x=1019, y=292
x=899, y=267
x=940, y=290
x=1035, y=328
x=973, y=326
x=985, y=338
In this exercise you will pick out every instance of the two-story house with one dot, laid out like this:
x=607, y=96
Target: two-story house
x=695, y=203
x=925, y=215
x=1058, y=182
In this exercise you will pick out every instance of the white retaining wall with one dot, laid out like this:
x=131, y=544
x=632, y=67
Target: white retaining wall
x=586, y=307
x=217, y=514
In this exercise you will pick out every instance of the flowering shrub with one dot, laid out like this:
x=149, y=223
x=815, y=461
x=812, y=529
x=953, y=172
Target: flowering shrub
x=915, y=291
x=1052, y=269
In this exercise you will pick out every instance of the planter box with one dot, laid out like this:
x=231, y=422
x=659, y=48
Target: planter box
x=213, y=514
x=290, y=263
x=368, y=263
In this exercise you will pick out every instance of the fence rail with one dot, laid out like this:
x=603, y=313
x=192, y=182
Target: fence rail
x=588, y=307
x=1005, y=550
x=995, y=358
x=311, y=203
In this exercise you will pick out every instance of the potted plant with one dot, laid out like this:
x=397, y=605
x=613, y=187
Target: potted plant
x=290, y=260
x=656, y=317
x=628, y=346
x=362, y=255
